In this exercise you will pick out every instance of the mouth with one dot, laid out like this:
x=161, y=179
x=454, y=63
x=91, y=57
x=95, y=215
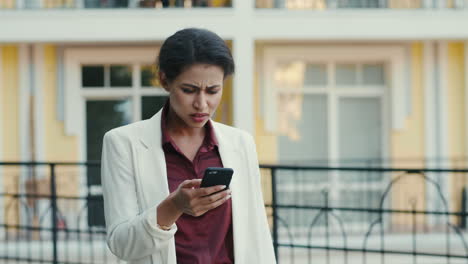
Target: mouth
x=199, y=117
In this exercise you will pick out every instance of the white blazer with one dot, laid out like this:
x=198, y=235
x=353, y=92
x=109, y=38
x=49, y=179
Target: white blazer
x=134, y=182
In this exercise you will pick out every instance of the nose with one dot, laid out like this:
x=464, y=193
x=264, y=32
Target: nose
x=200, y=102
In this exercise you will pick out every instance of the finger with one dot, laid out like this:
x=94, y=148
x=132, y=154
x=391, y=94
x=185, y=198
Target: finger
x=209, y=190
x=195, y=183
x=212, y=206
x=214, y=197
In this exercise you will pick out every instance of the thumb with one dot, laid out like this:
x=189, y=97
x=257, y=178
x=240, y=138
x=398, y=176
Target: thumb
x=195, y=183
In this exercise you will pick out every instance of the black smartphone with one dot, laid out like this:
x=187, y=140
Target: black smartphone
x=216, y=176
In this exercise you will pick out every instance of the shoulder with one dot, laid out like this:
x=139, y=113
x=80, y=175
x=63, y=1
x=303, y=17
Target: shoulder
x=128, y=132
x=233, y=134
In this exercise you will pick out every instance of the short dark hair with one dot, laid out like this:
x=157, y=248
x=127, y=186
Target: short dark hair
x=191, y=46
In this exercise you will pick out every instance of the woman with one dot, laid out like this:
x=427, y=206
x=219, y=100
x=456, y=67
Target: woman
x=155, y=210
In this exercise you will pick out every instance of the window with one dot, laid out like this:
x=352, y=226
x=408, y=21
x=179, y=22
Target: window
x=115, y=95
x=329, y=112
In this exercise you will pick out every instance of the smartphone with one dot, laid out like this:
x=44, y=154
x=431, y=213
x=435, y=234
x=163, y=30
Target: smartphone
x=216, y=176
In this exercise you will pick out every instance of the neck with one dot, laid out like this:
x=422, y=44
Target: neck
x=176, y=127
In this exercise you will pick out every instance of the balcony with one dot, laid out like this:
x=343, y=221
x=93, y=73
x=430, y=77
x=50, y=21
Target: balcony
x=93, y=21
x=111, y=4
x=360, y=4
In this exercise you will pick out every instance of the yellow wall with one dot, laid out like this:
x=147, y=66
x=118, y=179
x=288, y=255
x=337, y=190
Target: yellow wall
x=10, y=97
x=58, y=145
x=224, y=113
x=10, y=116
x=266, y=141
x=7, y=3
x=456, y=120
x=407, y=146
x=58, y=4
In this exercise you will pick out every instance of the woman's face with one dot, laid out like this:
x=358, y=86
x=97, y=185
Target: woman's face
x=195, y=94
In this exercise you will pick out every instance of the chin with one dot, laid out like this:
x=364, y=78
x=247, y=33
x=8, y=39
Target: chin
x=196, y=125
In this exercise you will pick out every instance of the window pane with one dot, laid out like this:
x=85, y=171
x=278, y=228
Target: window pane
x=148, y=76
x=92, y=76
x=303, y=128
x=150, y=105
x=290, y=75
x=101, y=116
x=360, y=136
x=120, y=76
x=346, y=74
x=373, y=74
x=315, y=75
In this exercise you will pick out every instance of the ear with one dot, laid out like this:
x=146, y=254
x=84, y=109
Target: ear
x=163, y=80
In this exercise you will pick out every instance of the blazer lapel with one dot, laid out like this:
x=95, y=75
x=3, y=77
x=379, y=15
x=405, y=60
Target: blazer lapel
x=152, y=163
x=231, y=156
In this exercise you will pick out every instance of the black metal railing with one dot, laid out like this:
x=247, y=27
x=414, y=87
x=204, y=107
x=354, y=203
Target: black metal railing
x=50, y=214
x=367, y=215
x=107, y=4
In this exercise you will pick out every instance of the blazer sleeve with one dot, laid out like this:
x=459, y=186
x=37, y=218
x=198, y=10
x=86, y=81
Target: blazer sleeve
x=265, y=251
x=131, y=234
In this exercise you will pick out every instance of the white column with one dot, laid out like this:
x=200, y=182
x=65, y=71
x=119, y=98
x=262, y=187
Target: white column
x=430, y=122
x=243, y=85
x=243, y=82
x=38, y=73
x=442, y=103
x=24, y=75
x=2, y=114
x=436, y=122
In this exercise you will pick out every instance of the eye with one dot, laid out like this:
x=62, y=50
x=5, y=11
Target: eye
x=213, y=91
x=187, y=90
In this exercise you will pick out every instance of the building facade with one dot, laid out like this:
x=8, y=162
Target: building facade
x=328, y=83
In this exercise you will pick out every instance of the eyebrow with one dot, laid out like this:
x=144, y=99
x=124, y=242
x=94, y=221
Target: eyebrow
x=197, y=87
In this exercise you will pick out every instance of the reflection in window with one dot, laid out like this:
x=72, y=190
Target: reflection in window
x=303, y=128
x=315, y=75
x=360, y=131
x=346, y=74
x=373, y=74
x=290, y=76
x=120, y=76
x=102, y=116
x=149, y=76
x=150, y=105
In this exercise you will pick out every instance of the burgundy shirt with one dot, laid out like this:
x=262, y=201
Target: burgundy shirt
x=205, y=239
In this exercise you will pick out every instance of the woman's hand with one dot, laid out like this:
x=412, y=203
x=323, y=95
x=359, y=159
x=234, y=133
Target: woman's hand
x=195, y=201
x=191, y=200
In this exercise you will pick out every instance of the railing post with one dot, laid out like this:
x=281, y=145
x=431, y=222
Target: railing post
x=53, y=196
x=273, y=207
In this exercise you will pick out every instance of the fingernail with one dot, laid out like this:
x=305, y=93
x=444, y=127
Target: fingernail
x=222, y=187
x=228, y=197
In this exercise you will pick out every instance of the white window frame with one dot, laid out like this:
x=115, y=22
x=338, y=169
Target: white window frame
x=392, y=97
x=76, y=96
